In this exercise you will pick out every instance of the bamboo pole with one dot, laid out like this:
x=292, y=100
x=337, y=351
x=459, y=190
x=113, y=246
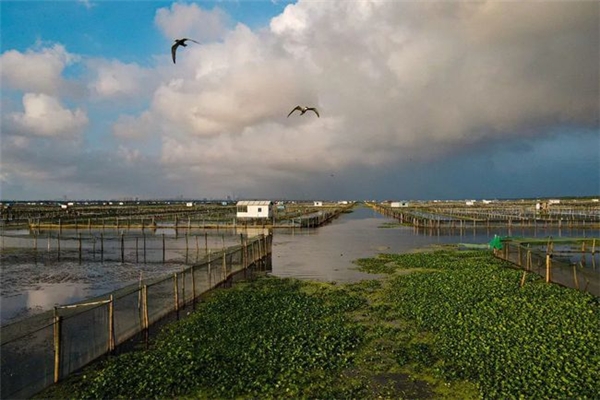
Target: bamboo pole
x=242, y=244
x=575, y=277
x=548, y=268
x=523, y=278
x=183, y=287
x=111, y=325
x=176, y=290
x=193, y=288
x=163, y=247
x=57, y=344
x=122, y=247
x=79, y=240
x=209, y=272
x=224, y=267
x=145, y=318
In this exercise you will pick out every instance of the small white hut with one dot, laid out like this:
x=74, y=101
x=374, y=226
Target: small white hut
x=254, y=209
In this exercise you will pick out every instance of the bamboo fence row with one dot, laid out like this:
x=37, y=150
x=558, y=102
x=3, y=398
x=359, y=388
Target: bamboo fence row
x=582, y=275
x=46, y=348
x=463, y=218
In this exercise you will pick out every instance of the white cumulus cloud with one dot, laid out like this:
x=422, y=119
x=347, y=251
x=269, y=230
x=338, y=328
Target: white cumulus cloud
x=36, y=71
x=44, y=115
x=114, y=79
x=190, y=20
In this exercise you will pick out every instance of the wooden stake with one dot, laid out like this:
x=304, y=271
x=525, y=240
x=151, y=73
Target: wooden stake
x=548, y=268
x=57, y=344
x=523, y=278
x=242, y=244
x=176, y=290
x=183, y=288
x=111, y=325
x=145, y=318
x=193, y=288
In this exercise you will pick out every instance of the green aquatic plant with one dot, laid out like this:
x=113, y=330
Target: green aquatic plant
x=536, y=341
x=265, y=339
x=459, y=325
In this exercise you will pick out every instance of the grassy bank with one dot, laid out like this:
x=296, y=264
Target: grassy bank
x=444, y=324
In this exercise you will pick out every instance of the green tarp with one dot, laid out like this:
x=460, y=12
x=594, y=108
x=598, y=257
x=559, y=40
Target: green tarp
x=496, y=243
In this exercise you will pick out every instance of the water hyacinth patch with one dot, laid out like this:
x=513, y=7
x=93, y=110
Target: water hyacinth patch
x=265, y=339
x=443, y=324
x=538, y=341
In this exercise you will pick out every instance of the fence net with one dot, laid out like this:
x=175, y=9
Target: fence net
x=552, y=268
x=42, y=349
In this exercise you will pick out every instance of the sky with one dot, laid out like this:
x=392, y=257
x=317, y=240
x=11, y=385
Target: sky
x=417, y=99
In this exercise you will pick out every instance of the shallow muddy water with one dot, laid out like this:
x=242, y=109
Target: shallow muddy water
x=35, y=276
x=327, y=253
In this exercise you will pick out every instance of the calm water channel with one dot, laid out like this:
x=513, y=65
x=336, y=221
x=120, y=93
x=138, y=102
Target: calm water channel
x=326, y=253
x=37, y=282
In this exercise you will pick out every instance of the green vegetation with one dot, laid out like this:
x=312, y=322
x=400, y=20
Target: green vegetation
x=535, y=341
x=458, y=326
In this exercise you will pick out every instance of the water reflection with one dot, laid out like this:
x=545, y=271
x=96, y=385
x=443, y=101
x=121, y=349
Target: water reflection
x=327, y=253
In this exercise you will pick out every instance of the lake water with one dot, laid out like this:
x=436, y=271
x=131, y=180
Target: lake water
x=38, y=281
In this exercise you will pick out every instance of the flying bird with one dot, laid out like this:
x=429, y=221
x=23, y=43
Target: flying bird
x=179, y=42
x=304, y=109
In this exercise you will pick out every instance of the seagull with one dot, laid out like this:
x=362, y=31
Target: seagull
x=179, y=42
x=303, y=110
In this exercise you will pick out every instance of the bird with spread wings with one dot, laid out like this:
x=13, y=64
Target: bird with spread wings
x=179, y=42
x=304, y=109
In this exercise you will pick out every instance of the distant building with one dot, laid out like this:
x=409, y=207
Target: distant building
x=397, y=204
x=254, y=209
x=189, y=204
x=318, y=204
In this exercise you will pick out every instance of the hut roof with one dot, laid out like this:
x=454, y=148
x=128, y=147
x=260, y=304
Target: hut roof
x=254, y=203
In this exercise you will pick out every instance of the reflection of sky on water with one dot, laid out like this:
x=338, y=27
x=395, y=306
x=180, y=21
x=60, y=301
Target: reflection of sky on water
x=327, y=253
x=42, y=298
